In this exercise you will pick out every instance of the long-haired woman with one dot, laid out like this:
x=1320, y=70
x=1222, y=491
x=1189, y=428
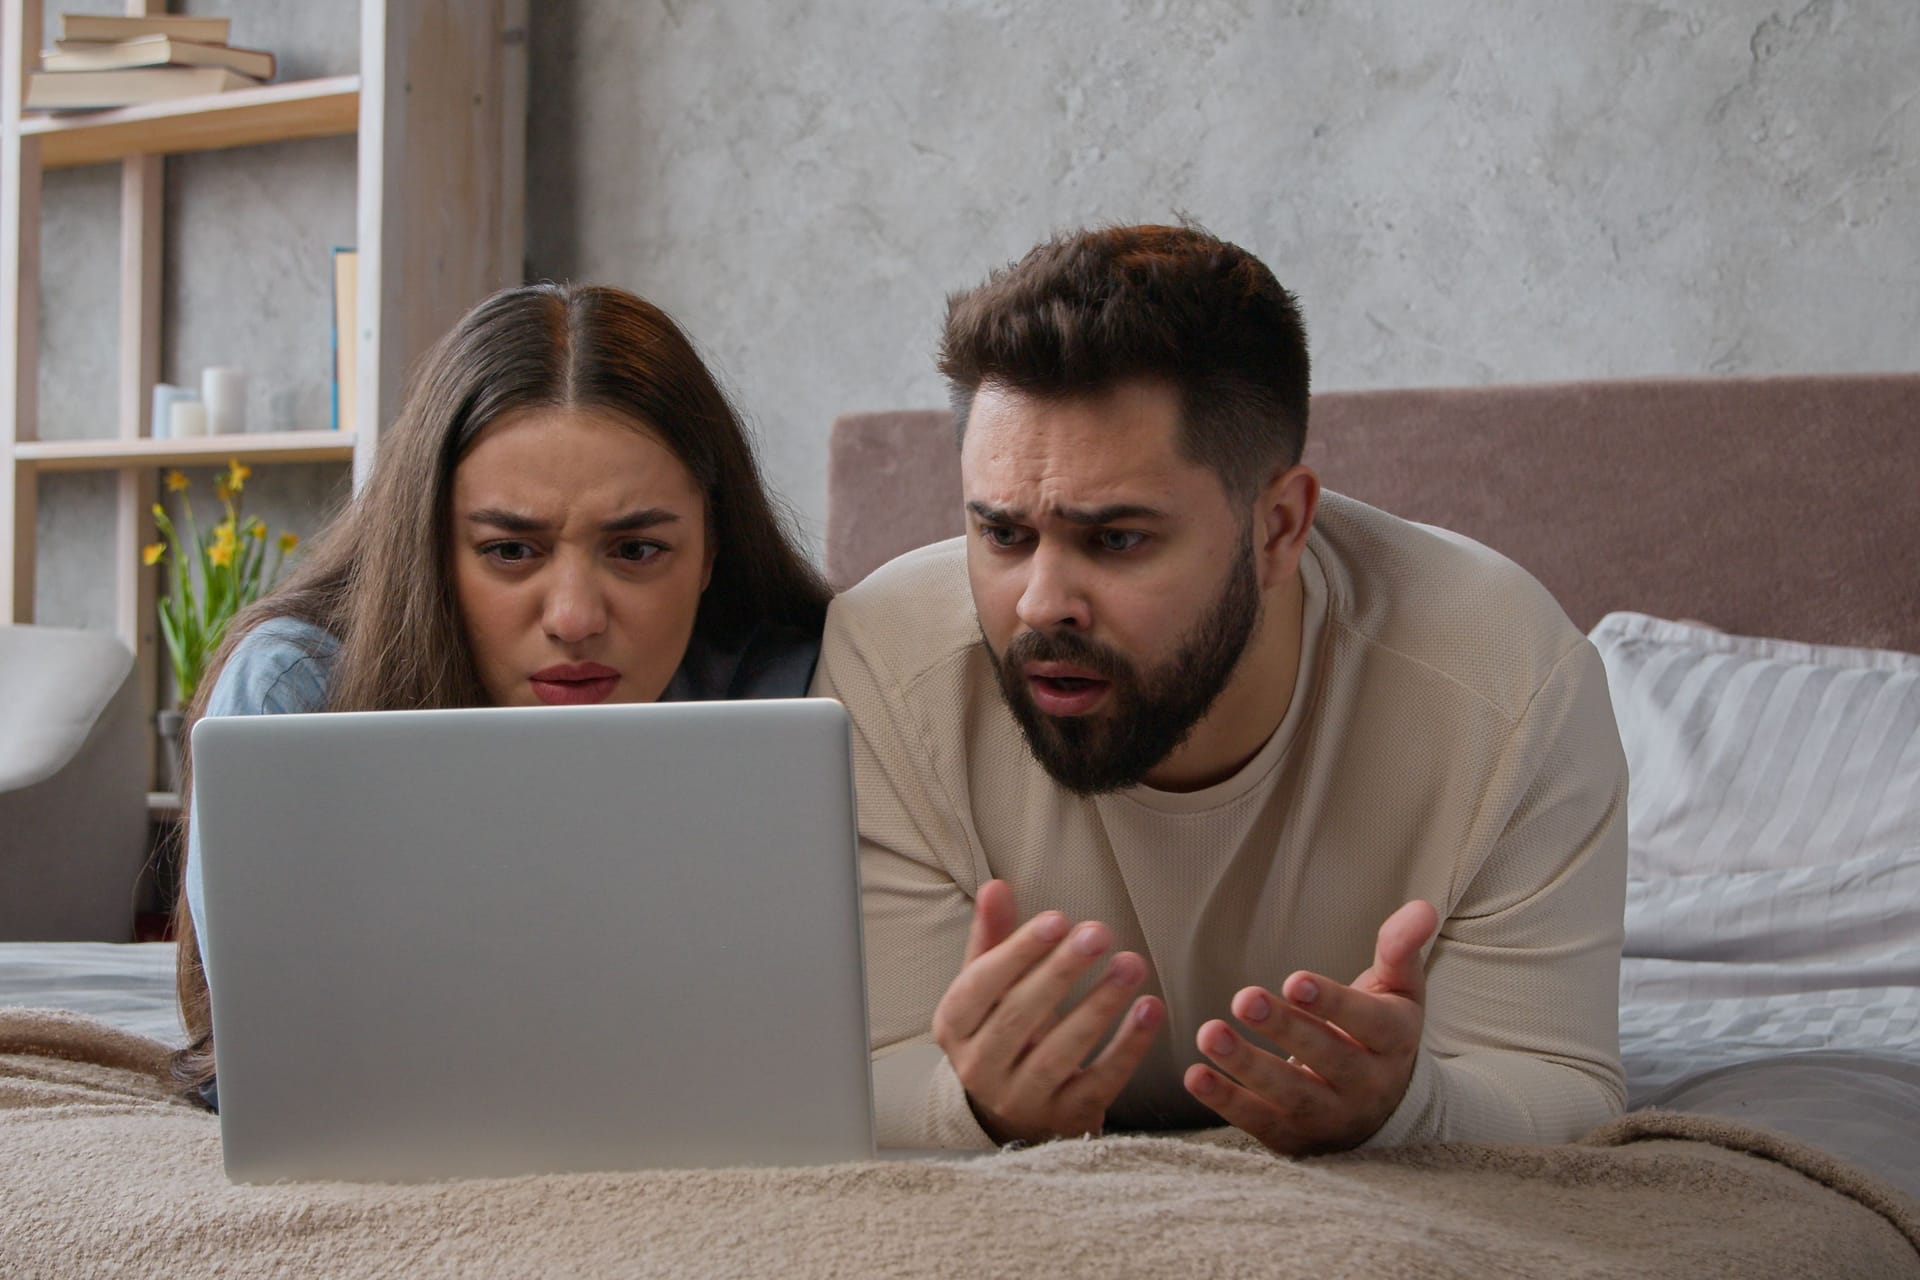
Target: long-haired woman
x=567, y=510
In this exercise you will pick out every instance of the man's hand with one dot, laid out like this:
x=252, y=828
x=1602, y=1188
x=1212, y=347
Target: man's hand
x=1345, y=1054
x=1000, y=1023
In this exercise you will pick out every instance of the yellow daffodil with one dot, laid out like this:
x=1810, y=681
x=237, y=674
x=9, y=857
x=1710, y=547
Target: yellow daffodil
x=212, y=575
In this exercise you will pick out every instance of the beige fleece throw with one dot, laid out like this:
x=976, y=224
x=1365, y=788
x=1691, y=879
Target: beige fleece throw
x=103, y=1173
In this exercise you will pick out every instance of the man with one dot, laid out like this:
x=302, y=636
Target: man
x=1338, y=799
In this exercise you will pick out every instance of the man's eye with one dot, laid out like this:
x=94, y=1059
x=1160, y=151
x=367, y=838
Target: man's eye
x=1120, y=539
x=508, y=552
x=999, y=535
x=638, y=550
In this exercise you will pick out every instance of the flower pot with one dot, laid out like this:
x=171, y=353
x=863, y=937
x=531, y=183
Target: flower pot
x=170, y=725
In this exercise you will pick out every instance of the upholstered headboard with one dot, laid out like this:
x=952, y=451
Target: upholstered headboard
x=1768, y=506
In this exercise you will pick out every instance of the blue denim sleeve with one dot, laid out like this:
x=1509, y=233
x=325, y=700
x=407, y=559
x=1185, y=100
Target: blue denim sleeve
x=280, y=668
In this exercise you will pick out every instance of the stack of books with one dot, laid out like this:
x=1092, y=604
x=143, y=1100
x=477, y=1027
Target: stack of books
x=106, y=61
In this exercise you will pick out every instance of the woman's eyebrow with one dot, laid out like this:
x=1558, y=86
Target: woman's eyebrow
x=515, y=522
x=645, y=518
x=511, y=521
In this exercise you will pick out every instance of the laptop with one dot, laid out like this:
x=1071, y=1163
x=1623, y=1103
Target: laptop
x=505, y=941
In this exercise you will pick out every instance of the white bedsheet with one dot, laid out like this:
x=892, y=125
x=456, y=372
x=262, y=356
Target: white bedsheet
x=129, y=985
x=1783, y=998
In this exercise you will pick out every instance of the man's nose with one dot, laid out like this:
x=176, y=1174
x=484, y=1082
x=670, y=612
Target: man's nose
x=1054, y=595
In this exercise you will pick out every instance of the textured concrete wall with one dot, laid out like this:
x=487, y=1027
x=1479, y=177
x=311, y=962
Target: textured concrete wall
x=1459, y=190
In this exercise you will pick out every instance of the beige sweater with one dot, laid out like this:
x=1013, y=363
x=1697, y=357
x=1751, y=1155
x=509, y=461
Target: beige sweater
x=1450, y=738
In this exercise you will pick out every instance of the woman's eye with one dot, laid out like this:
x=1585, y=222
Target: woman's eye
x=1119, y=539
x=637, y=550
x=508, y=552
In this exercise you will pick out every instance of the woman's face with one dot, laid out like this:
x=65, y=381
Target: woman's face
x=579, y=550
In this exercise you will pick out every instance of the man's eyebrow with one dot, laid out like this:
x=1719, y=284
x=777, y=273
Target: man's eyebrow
x=515, y=522
x=994, y=515
x=1109, y=514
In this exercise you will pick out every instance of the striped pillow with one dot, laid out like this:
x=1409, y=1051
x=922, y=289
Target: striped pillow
x=1773, y=827
x=1753, y=755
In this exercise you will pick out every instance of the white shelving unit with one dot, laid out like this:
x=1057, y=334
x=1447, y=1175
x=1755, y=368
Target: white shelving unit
x=439, y=106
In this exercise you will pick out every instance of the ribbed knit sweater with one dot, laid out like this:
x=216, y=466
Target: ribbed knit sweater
x=1449, y=737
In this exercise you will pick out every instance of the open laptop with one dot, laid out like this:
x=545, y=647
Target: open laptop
x=520, y=940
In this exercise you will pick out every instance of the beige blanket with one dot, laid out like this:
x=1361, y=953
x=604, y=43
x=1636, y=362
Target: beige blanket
x=102, y=1174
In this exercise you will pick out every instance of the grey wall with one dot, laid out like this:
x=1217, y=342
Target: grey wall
x=1459, y=190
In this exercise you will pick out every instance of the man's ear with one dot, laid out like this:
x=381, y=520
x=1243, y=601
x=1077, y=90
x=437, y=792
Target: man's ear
x=1282, y=518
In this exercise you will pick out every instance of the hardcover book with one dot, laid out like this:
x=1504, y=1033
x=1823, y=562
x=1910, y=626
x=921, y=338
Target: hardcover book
x=96, y=26
x=72, y=90
x=156, y=51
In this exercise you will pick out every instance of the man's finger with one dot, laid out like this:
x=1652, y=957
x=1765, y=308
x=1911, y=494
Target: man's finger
x=1057, y=1054
x=1333, y=1052
x=993, y=919
x=1039, y=992
x=1108, y=1074
x=986, y=979
x=1270, y=1076
x=1397, y=967
x=1247, y=1111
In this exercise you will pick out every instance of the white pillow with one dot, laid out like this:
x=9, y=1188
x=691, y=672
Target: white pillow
x=1746, y=754
x=1773, y=828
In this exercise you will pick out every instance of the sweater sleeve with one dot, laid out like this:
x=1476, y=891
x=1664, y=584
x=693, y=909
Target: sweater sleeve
x=279, y=668
x=918, y=876
x=1521, y=1041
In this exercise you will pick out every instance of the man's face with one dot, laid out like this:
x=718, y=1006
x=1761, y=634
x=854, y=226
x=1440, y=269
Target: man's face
x=1114, y=579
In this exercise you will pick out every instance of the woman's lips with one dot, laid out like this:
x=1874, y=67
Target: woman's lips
x=574, y=683
x=1060, y=690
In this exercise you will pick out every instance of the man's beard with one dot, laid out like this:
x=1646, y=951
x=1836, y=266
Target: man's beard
x=1149, y=715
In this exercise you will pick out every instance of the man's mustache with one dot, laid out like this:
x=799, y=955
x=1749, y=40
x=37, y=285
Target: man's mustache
x=1066, y=646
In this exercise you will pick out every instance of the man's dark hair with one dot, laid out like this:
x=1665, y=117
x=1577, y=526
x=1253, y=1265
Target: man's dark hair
x=1088, y=310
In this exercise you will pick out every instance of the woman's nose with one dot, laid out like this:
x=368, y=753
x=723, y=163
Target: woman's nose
x=576, y=607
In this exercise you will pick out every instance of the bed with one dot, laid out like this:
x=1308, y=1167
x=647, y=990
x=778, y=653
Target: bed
x=1742, y=553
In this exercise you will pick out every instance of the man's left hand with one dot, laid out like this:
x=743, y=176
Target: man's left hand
x=1345, y=1054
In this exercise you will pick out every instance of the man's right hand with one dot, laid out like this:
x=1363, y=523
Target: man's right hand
x=1018, y=1055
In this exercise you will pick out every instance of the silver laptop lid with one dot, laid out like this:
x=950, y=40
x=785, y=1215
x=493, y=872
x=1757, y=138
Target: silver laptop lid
x=504, y=941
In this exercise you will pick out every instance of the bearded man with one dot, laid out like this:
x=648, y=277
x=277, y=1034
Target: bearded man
x=1321, y=812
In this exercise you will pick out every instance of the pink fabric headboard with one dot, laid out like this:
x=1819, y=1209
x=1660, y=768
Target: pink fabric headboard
x=1768, y=506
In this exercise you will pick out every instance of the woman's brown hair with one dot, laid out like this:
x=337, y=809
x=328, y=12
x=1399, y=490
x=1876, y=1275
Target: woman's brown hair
x=377, y=579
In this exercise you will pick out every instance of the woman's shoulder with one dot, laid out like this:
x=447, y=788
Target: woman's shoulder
x=768, y=662
x=280, y=666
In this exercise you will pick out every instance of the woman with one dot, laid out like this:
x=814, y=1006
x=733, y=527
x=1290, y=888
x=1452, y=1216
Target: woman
x=567, y=510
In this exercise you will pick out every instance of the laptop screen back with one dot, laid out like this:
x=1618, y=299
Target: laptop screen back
x=518, y=940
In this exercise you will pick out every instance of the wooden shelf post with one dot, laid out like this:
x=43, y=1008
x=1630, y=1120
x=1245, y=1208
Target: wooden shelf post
x=19, y=310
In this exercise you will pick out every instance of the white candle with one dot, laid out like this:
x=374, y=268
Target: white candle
x=224, y=391
x=164, y=395
x=186, y=418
